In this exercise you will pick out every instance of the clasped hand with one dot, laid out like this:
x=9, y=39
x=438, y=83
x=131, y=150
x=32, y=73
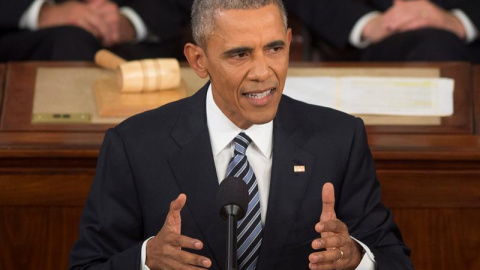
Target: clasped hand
x=405, y=16
x=99, y=17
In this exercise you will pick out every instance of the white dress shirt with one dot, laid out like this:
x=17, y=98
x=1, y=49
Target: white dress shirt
x=29, y=19
x=355, y=37
x=259, y=153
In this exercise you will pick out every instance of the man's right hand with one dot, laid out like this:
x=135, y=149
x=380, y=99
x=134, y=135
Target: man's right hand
x=165, y=250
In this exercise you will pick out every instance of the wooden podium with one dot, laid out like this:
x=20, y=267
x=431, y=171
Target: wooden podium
x=430, y=174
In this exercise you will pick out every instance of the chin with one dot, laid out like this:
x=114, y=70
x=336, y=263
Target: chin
x=263, y=118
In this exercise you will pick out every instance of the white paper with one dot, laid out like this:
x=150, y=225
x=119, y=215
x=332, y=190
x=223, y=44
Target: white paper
x=376, y=95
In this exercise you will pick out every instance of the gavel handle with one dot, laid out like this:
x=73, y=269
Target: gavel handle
x=107, y=59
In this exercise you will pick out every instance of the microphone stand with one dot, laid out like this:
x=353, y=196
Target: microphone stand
x=232, y=211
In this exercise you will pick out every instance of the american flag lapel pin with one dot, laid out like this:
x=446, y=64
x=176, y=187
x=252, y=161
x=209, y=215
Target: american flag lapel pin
x=299, y=168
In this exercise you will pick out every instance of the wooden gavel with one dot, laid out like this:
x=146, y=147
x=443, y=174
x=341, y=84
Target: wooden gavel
x=141, y=75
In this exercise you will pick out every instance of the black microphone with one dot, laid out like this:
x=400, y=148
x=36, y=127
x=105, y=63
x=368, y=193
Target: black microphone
x=232, y=200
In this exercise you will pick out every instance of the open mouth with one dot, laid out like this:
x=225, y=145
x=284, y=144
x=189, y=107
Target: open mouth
x=259, y=95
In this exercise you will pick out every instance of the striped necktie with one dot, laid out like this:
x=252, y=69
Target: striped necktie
x=249, y=229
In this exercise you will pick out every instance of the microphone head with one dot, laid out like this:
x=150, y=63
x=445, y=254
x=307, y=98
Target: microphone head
x=232, y=192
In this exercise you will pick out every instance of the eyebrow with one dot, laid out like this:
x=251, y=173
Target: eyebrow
x=236, y=51
x=276, y=43
x=273, y=44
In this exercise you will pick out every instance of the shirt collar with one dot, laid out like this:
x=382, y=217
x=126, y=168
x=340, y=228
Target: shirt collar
x=222, y=131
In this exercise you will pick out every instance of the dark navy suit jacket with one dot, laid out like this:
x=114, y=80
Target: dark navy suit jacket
x=146, y=161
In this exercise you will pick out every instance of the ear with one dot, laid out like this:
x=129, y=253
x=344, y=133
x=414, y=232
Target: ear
x=196, y=58
x=289, y=36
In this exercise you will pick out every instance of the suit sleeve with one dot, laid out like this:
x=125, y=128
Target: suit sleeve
x=11, y=11
x=331, y=20
x=360, y=207
x=472, y=10
x=110, y=231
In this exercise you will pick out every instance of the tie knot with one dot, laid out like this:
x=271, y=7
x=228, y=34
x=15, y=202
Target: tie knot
x=242, y=141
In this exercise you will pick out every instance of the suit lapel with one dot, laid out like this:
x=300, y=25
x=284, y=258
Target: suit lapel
x=194, y=170
x=287, y=187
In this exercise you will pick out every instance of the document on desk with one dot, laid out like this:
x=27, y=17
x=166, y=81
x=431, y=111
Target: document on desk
x=376, y=95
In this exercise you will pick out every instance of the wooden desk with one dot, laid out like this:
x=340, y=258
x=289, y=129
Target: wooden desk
x=430, y=176
x=476, y=92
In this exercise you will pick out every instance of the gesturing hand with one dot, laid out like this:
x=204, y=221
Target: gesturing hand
x=336, y=249
x=164, y=251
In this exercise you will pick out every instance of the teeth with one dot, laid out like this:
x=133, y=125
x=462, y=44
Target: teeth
x=259, y=95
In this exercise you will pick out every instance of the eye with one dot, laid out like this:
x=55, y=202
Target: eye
x=240, y=55
x=275, y=49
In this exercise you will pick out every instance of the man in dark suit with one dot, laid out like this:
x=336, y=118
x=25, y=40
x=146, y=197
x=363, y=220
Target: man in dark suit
x=158, y=172
x=75, y=30
x=396, y=30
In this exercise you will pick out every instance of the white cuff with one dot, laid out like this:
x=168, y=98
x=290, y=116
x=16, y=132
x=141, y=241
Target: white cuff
x=355, y=37
x=137, y=22
x=471, y=32
x=143, y=255
x=368, y=259
x=29, y=19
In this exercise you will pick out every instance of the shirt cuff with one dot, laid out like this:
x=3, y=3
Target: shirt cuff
x=368, y=259
x=29, y=19
x=355, y=37
x=137, y=22
x=143, y=255
x=471, y=32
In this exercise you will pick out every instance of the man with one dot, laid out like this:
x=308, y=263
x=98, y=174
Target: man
x=75, y=30
x=310, y=170
x=396, y=30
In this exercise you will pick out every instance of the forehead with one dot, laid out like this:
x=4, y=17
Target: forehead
x=243, y=26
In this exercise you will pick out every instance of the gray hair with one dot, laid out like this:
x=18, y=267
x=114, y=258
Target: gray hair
x=203, y=14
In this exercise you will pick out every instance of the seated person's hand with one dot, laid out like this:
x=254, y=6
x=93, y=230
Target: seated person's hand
x=411, y=15
x=99, y=17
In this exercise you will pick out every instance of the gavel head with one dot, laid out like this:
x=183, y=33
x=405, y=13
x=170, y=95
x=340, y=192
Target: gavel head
x=149, y=75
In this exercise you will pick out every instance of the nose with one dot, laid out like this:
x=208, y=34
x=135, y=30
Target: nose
x=260, y=69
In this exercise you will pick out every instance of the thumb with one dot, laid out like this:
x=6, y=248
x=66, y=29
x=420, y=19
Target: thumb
x=328, y=203
x=174, y=219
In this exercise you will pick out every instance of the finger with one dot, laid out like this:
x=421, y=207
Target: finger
x=174, y=219
x=97, y=22
x=85, y=24
x=334, y=241
x=184, y=257
x=112, y=21
x=328, y=203
x=328, y=259
x=333, y=226
x=171, y=264
x=95, y=3
x=182, y=241
x=92, y=23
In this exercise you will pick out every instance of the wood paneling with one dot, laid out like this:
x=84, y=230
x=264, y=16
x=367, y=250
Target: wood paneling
x=441, y=238
x=37, y=237
x=48, y=189
x=476, y=94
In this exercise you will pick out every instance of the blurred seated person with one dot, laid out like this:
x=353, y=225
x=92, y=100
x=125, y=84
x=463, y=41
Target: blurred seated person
x=75, y=30
x=395, y=30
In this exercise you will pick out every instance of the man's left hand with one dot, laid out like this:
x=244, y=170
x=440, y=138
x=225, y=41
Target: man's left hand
x=336, y=249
